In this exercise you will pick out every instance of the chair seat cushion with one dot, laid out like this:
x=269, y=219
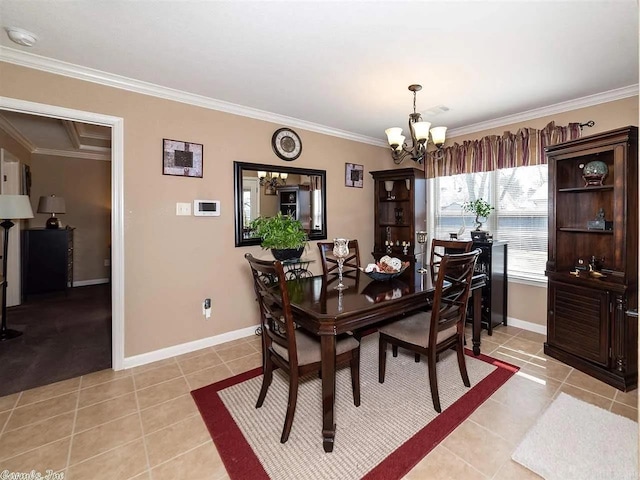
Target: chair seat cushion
x=415, y=330
x=308, y=347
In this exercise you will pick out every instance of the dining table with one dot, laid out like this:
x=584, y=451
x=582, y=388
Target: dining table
x=323, y=310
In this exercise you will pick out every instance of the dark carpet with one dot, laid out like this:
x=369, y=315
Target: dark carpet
x=64, y=336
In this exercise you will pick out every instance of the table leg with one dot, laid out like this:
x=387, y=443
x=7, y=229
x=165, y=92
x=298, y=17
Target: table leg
x=328, y=345
x=477, y=320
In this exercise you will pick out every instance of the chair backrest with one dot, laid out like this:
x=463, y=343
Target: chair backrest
x=329, y=262
x=439, y=248
x=450, y=303
x=276, y=319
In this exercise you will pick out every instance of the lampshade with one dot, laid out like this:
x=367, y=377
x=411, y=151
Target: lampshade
x=421, y=130
x=393, y=135
x=15, y=207
x=51, y=204
x=438, y=135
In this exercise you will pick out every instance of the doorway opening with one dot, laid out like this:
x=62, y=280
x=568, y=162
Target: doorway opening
x=99, y=297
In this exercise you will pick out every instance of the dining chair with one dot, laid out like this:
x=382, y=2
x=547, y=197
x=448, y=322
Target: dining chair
x=441, y=247
x=292, y=349
x=432, y=332
x=330, y=263
x=438, y=249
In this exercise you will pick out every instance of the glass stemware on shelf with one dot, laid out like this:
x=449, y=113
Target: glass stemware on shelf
x=421, y=237
x=340, y=251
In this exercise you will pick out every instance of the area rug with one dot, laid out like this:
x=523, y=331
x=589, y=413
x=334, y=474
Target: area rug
x=392, y=430
x=576, y=440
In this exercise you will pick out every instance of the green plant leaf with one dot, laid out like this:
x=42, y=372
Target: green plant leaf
x=279, y=232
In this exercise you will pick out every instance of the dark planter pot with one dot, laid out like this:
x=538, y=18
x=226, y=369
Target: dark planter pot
x=287, y=253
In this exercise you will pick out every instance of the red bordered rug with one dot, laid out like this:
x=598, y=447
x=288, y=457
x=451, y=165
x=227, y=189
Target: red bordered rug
x=384, y=438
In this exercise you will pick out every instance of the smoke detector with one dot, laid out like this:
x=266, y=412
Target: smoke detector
x=22, y=36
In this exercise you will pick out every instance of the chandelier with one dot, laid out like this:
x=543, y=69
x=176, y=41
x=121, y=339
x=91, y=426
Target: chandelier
x=419, y=131
x=272, y=179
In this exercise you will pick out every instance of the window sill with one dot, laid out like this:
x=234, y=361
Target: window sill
x=521, y=279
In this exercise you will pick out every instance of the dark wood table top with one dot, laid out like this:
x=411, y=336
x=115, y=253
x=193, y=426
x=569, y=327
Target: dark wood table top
x=326, y=310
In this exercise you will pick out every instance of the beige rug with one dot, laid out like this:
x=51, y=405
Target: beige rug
x=574, y=440
x=394, y=427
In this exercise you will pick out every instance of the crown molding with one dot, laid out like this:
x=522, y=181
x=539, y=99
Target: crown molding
x=58, y=67
x=588, y=101
x=14, y=133
x=105, y=157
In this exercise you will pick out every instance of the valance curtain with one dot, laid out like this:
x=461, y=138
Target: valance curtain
x=523, y=148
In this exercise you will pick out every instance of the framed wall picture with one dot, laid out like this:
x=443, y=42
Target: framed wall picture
x=183, y=159
x=354, y=175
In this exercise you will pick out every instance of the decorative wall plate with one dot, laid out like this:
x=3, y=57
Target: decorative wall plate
x=286, y=144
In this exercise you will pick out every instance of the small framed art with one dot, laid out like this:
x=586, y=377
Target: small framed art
x=354, y=175
x=183, y=159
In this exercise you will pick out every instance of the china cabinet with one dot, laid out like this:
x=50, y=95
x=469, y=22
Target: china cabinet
x=593, y=255
x=47, y=260
x=399, y=212
x=492, y=261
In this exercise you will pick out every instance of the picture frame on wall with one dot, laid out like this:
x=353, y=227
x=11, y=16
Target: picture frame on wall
x=354, y=175
x=182, y=159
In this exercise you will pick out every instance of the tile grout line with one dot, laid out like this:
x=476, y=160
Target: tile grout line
x=441, y=444
x=183, y=453
x=13, y=409
x=144, y=440
x=73, y=426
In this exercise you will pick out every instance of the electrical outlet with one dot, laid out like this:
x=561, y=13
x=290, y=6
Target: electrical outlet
x=206, y=308
x=107, y=262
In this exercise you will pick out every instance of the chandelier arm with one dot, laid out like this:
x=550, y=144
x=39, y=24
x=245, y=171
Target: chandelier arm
x=398, y=157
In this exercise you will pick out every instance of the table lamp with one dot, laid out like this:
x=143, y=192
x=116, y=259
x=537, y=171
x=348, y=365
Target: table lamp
x=53, y=205
x=12, y=207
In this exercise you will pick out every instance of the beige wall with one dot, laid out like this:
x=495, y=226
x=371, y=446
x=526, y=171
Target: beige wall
x=526, y=302
x=172, y=263
x=85, y=186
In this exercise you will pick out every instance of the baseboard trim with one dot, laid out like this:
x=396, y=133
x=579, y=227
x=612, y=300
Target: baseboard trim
x=95, y=281
x=168, y=352
x=530, y=326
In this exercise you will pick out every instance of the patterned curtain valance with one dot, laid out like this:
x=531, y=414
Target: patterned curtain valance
x=523, y=148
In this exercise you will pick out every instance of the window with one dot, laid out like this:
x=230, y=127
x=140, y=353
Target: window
x=519, y=196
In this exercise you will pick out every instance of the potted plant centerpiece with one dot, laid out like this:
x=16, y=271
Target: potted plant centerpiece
x=481, y=209
x=282, y=234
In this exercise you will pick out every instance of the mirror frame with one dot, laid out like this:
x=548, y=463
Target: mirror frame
x=238, y=168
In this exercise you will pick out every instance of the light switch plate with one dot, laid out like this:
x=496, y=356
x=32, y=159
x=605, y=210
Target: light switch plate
x=183, y=208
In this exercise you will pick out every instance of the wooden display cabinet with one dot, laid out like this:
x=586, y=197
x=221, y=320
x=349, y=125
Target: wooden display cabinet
x=295, y=200
x=399, y=213
x=587, y=324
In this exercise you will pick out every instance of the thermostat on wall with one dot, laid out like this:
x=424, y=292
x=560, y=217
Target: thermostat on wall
x=206, y=208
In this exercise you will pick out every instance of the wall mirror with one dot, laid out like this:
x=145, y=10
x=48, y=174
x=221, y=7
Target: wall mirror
x=264, y=190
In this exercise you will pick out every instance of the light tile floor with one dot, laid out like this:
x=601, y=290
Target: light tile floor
x=142, y=423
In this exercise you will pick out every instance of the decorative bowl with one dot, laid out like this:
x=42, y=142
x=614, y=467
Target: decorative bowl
x=382, y=276
x=594, y=173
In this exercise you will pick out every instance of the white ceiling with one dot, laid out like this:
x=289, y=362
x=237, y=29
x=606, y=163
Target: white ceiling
x=346, y=65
